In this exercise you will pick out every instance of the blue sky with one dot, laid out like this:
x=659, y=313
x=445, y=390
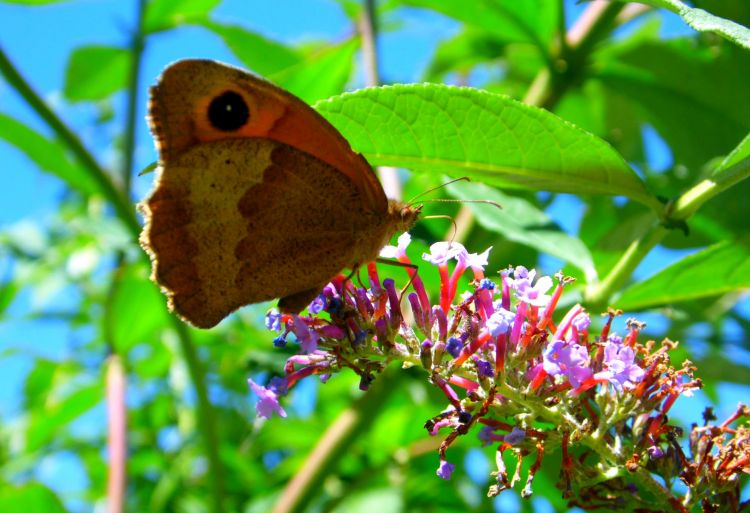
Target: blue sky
x=39, y=41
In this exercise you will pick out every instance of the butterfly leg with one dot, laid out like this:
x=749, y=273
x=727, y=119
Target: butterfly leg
x=414, y=269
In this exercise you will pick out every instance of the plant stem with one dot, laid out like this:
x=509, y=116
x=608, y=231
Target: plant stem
x=206, y=413
x=324, y=458
x=117, y=436
x=136, y=53
x=119, y=201
x=367, y=26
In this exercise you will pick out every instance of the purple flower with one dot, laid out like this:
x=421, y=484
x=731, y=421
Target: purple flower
x=582, y=321
x=445, y=469
x=570, y=360
x=486, y=284
x=441, y=252
x=477, y=262
x=317, y=305
x=268, y=397
x=534, y=295
x=500, y=321
x=621, y=369
x=397, y=251
x=273, y=320
x=454, y=346
x=307, y=338
x=516, y=436
x=485, y=368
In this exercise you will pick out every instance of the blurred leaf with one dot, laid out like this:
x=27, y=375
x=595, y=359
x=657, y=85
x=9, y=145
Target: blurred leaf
x=256, y=52
x=529, y=21
x=737, y=155
x=468, y=132
x=704, y=21
x=320, y=74
x=520, y=221
x=51, y=421
x=719, y=269
x=462, y=52
x=137, y=309
x=29, y=498
x=49, y=155
x=96, y=72
x=38, y=383
x=8, y=291
x=167, y=14
x=693, y=97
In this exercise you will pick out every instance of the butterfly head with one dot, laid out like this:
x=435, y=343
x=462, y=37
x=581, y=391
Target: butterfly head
x=404, y=215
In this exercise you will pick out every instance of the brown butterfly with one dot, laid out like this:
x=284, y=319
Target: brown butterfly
x=257, y=196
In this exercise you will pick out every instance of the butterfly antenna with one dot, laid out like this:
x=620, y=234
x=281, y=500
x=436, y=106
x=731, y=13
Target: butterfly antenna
x=453, y=222
x=462, y=179
x=454, y=200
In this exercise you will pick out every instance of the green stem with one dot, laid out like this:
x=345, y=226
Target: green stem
x=206, y=413
x=121, y=203
x=136, y=52
x=351, y=424
x=598, y=294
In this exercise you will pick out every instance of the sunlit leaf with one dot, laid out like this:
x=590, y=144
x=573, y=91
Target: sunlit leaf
x=467, y=132
x=719, y=269
x=50, y=421
x=167, y=14
x=30, y=498
x=47, y=154
x=257, y=53
x=321, y=73
x=96, y=72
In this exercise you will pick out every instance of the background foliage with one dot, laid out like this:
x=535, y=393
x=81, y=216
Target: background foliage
x=664, y=239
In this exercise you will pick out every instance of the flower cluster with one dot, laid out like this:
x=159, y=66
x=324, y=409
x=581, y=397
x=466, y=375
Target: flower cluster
x=522, y=381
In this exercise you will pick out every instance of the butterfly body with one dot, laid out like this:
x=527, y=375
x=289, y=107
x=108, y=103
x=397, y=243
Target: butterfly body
x=256, y=198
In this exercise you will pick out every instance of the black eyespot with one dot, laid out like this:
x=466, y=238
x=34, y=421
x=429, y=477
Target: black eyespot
x=228, y=111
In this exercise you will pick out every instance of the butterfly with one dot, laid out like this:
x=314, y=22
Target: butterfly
x=256, y=197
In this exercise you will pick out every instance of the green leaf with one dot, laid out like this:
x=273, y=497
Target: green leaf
x=522, y=222
x=167, y=14
x=492, y=138
x=693, y=96
x=462, y=52
x=704, y=21
x=137, y=309
x=30, y=498
x=528, y=21
x=51, y=421
x=737, y=155
x=718, y=269
x=321, y=74
x=256, y=52
x=47, y=154
x=96, y=72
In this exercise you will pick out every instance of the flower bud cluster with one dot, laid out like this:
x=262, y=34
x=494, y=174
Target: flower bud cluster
x=524, y=378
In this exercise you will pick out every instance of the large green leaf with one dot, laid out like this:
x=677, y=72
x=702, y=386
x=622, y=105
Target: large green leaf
x=47, y=154
x=522, y=222
x=467, y=132
x=30, y=498
x=718, y=269
x=96, y=72
x=740, y=153
x=321, y=73
x=167, y=14
x=256, y=52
